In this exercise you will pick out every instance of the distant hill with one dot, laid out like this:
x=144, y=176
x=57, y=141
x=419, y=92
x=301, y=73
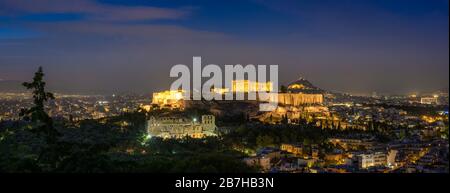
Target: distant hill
x=11, y=86
x=302, y=85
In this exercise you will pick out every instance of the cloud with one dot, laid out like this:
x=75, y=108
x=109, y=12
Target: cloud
x=98, y=19
x=139, y=32
x=17, y=33
x=91, y=10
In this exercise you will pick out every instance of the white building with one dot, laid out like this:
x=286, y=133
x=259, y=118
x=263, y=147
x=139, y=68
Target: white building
x=391, y=157
x=263, y=162
x=372, y=159
x=429, y=100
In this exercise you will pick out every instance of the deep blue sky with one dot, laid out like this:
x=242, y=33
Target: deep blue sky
x=356, y=46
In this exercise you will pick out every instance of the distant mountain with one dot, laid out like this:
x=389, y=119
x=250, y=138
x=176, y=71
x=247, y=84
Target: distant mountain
x=11, y=86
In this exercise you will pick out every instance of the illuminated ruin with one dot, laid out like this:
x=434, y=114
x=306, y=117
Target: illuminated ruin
x=171, y=99
x=180, y=127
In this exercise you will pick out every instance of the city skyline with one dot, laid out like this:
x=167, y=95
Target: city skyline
x=114, y=47
x=256, y=92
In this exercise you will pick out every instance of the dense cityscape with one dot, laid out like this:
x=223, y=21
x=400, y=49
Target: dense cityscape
x=224, y=95
x=311, y=131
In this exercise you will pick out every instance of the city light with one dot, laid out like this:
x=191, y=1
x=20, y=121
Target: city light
x=113, y=95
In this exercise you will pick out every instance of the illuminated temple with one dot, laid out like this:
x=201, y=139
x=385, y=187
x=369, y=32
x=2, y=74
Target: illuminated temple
x=169, y=99
x=300, y=93
x=301, y=100
x=251, y=86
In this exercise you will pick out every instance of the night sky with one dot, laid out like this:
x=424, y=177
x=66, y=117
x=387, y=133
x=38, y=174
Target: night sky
x=108, y=46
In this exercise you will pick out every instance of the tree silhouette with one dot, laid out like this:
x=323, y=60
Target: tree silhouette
x=42, y=122
x=283, y=89
x=285, y=119
x=37, y=114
